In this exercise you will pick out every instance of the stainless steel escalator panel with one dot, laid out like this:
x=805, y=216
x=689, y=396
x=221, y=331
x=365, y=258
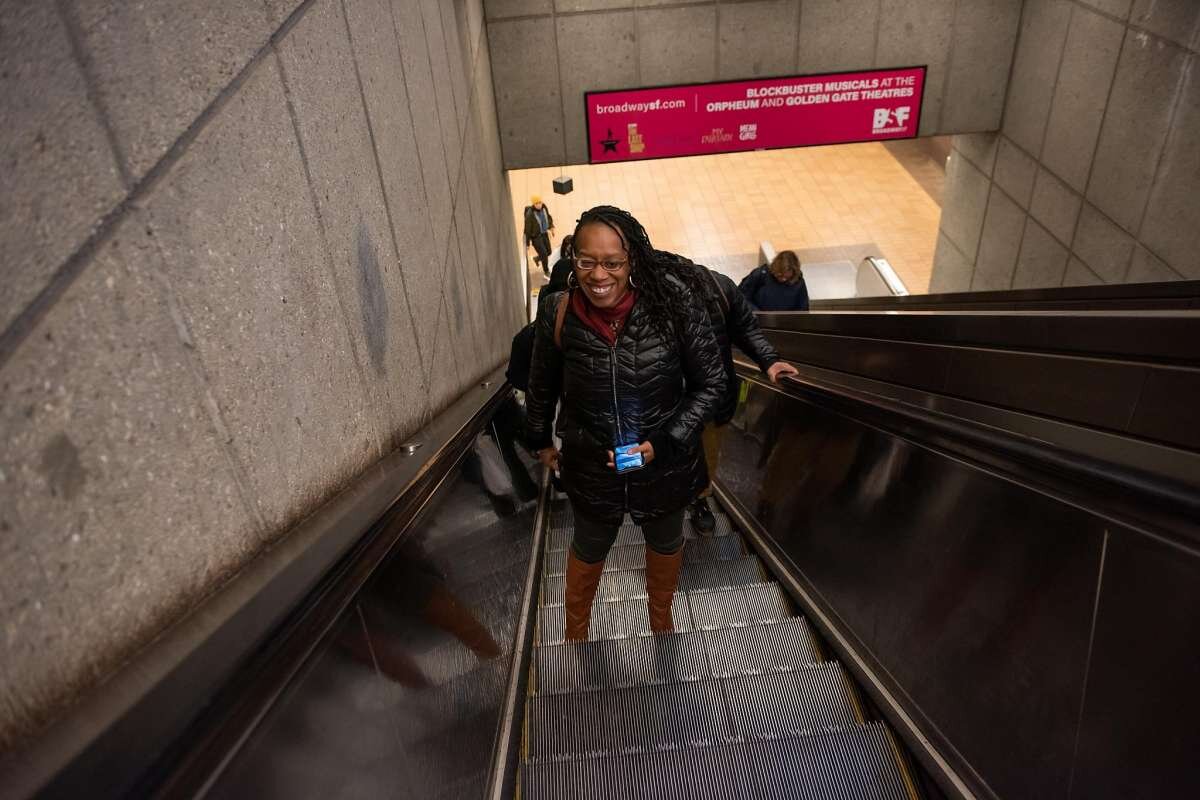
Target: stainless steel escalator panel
x=719, y=773
x=720, y=548
x=632, y=719
x=856, y=763
x=768, y=602
x=618, y=663
x=720, y=574
x=720, y=609
x=779, y=646
x=564, y=724
x=654, y=717
x=781, y=703
x=550, y=625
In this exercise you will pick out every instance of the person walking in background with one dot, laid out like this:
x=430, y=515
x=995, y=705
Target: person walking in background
x=733, y=322
x=630, y=351
x=539, y=227
x=778, y=286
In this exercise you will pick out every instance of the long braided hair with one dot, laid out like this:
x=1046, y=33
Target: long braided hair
x=659, y=276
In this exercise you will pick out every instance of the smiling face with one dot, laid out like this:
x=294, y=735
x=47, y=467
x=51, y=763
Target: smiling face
x=598, y=242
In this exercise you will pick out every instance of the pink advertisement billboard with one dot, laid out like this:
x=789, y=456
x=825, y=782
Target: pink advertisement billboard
x=800, y=111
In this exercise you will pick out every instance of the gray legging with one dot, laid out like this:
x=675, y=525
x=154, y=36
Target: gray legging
x=592, y=539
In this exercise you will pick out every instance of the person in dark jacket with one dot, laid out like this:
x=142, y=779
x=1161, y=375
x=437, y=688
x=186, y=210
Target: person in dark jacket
x=778, y=286
x=734, y=323
x=560, y=272
x=539, y=227
x=630, y=350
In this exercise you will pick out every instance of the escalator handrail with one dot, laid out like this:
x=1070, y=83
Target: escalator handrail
x=506, y=758
x=1166, y=498
x=1148, y=296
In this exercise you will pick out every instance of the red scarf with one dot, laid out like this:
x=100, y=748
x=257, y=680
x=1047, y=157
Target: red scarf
x=606, y=322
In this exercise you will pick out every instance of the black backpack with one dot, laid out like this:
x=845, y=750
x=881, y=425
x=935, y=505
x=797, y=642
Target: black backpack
x=520, y=358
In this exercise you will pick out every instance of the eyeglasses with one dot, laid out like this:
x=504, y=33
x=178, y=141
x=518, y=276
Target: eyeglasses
x=589, y=264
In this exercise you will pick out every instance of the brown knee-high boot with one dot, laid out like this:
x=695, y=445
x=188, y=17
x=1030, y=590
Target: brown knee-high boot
x=582, y=580
x=662, y=576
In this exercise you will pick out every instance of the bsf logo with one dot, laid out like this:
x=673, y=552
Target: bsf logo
x=748, y=132
x=889, y=120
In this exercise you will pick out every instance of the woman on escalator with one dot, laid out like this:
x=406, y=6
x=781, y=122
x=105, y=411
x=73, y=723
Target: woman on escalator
x=630, y=351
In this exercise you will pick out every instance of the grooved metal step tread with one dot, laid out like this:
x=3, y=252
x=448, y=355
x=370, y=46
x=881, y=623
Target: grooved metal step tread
x=633, y=556
x=745, y=605
x=695, y=655
x=631, y=583
x=612, y=620
x=646, y=718
x=839, y=764
x=722, y=608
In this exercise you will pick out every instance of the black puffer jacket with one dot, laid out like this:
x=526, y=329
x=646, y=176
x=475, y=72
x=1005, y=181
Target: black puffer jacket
x=734, y=322
x=655, y=388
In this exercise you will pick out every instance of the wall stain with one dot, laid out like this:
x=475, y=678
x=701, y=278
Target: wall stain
x=456, y=301
x=62, y=468
x=372, y=299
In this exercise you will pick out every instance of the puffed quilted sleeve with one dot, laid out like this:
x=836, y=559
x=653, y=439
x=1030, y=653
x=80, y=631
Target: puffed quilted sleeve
x=743, y=327
x=545, y=378
x=704, y=378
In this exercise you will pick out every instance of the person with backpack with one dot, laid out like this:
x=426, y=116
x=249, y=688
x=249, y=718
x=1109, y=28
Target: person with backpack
x=778, y=286
x=630, y=351
x=734, y=323
x=539, y=227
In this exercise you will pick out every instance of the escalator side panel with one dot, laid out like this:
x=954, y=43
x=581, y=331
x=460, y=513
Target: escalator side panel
x=408, y=689
x=971, y=591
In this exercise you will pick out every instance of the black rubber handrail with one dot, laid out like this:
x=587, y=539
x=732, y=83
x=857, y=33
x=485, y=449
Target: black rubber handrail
x=1161, y=505
x=1167, y=295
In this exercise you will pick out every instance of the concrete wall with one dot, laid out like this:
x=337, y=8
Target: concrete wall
x=245, y=248
x=1094, y=173
x=547, y=53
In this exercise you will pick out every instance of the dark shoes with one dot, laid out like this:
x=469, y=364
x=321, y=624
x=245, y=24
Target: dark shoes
x=702, y=517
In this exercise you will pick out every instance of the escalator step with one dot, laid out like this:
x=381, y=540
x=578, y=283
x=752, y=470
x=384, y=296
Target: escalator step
x=800, y=701
x=784, y=645
x=612, y=620
x=653, y=717
x=767, y=602
x=720, y=609
x=639, y=718
x=724, y=548
x=650, y=717
x=847, y=764
x=563, y=723
x=642, y=660
x=701, y=772
x=720, y=574
x=622, y=662
x=631, y=583
x=742, y=605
